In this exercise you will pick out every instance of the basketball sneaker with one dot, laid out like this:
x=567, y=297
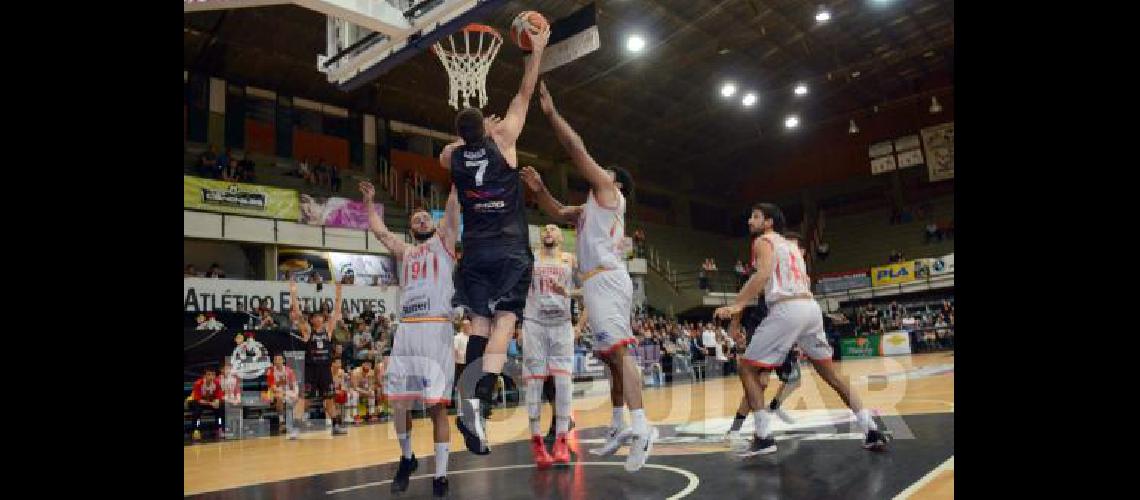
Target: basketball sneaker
x=551, y=434
x=541, y=457
x=875, y=441
x=561, y=450
x=292, y=434
x=404, y=473
x=339, y=430
x=639, y=450
x=758, y=446
x=614, y=440
x=472, y=426
x=439, y=487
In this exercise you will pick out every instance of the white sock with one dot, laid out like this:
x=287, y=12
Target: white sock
x=563, y=394
x=762, y=420
x=405, y=444
x=640, y=424
x=866, y=423
x=534, y=405
x=441, y=451
x=619, y=417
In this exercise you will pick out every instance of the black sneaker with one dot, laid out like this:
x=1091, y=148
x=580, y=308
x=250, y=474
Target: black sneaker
x=758, y=447
x=439, y=487
x=404, y=473
x=471, y=436
x=875, y=441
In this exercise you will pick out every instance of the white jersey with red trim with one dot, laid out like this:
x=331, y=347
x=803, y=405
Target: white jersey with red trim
x=789, y=274
x=542, y=303
x=426, y=273
x=601, y=235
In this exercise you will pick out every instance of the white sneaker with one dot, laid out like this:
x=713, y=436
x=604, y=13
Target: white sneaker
x=736, y=440
x=639, y=450
x=616, y=439
x=784, y=416
x=292, y=434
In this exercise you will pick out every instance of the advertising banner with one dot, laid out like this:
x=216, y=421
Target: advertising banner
x=240, y=198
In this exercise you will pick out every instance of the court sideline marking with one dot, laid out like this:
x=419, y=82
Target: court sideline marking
x=947, y=465
x=694, y=481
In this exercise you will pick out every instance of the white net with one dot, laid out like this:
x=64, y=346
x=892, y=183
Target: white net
x=468, y=62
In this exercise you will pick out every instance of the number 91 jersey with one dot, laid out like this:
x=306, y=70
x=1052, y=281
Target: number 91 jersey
x=426, y=273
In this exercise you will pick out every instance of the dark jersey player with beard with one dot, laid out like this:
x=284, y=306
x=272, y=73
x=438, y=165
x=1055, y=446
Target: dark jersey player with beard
x=495, y=274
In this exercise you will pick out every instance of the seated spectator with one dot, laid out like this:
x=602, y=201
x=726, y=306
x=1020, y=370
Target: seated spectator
x=896, y=256
x=283, y=392
x=265, y=319
x=206, y=396
x=362, y=341
x=932, y=232
x=321, y=173
x=822, y=250
x=741, y=273
x=206, y=162
x=221, y=164
x=349, y=278
x=215, y=271
x=190, y=271
x=232, y=173
x=246, y=169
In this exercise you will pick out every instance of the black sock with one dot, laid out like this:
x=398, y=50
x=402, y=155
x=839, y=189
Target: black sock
x=476, y=345
x=775, y=404
x=738, y=422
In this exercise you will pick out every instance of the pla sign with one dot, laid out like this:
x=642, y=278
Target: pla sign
x=891, y=274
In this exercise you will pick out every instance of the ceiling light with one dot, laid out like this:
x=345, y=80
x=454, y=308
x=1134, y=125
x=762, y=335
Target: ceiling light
x=852, y=129
x=792, y=121
x=635, y=43
x=801, y=89
x=822, y=15
x=935, y=108
x=749, y=99
x=728, y=89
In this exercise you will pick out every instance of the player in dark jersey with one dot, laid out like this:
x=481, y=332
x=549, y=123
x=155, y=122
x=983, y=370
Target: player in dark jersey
x=317, y=336
x=495, y=272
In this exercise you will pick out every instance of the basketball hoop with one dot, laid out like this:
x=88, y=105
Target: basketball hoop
x=468, y=64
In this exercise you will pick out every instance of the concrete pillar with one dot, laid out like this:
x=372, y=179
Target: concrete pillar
x=370, y=146
x=216, y=123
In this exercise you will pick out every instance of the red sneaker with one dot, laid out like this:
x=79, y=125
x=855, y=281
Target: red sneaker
x=541, y=457
x=560, y=450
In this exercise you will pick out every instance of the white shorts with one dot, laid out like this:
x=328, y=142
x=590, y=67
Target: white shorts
x=422, y=364
x=608, y=297
x=788, y=323
x=547, y=349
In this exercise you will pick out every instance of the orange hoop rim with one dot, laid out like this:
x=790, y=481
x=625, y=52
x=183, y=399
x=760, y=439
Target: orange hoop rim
x=473, y=27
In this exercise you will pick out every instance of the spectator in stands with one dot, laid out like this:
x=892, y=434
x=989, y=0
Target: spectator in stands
x=362, y=342
x=190, y=271
x=932, y=232
x=216, y=271
x=349, y=278
x=206, y=162
x=709, y=339
x=895, y=256
x=207, y=396
x=222, y=164
x=639, y=242
x=245, y=168
x=741, y=273
x=822, y=250
x=265, y=319
x=322, y=173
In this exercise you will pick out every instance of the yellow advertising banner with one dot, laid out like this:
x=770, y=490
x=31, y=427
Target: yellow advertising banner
x=891, y=274
x=240, y=198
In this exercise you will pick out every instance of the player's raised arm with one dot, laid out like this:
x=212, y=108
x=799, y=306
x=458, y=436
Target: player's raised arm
x=450, y=224
x=375, y=222
x=546, y=202
x=295, y=313
x=507, y=132
x=598, y=178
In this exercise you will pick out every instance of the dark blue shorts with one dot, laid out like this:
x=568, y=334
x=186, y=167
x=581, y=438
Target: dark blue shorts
x=493, y=278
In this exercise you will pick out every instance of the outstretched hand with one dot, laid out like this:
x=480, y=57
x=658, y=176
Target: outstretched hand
x=539, y=38
x=727, y=312
x=544, y=99
x=368, y=190
x=531, y=178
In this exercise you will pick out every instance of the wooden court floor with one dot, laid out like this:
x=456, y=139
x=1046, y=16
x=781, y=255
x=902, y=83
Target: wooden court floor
x=883, y=383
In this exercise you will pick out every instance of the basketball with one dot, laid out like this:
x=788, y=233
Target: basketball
x=527, y=21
